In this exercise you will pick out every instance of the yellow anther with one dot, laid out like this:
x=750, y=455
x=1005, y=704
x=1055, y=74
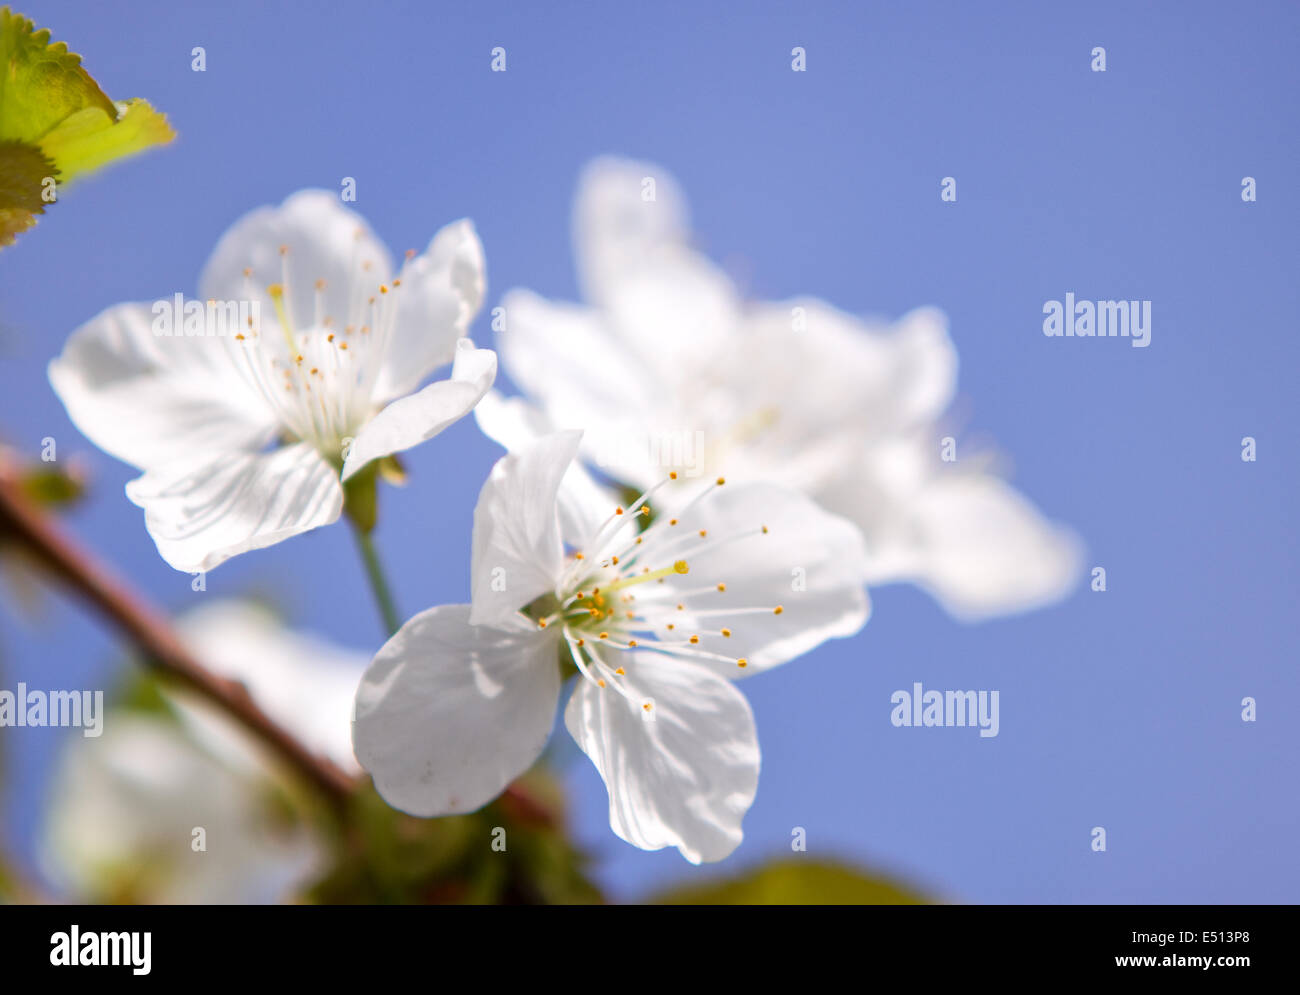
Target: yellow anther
x=383, y=289
x=604, y=635
x=726, y=633
x=778, y=609
x=679, y=567
x=764, y=530
x=320, y=284
x=631, y=642
x=284, y=250
x=672, y=475
x=621, y=672
x=694, y=640
x=618, y=511
x=672, y=521
x=703, y=533
x=601, y=683
x=647, y=706
x=722, y=587
x=721, y=481
x=742, y=662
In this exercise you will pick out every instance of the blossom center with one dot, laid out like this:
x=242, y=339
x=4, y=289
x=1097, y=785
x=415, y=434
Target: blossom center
x=626, y=590
x=318, y=372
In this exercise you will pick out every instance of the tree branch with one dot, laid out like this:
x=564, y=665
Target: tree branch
x=23, y=521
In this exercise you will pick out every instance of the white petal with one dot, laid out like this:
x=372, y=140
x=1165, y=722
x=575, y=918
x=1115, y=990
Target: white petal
x=450, y=713
x=985, y=550
x=677, y=314
x=566, y=359
x=868, y=377
x=204, y=511
x=809, y=563
x=322, y=241
x=670, y=307
x=303, y=682
x=147, y=398
x=682, y=773
x=511, y=422
x=441, y=292
x=517, y=553
x=515, y=424
x=617, y=225
x=409, y=421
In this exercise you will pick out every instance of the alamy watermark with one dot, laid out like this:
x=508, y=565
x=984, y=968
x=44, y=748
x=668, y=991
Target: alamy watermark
x=35, y=709
x=102, y=949
x=193, y=318
x=1099, y=319
x=682, y=451
x=946, y=708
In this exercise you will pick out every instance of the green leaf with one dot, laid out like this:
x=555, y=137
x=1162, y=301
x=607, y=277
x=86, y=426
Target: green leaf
x=795, y=881
x=56, y=123
x=51, y=486
x=23, y=169
x=41, y=83
x=91, y=139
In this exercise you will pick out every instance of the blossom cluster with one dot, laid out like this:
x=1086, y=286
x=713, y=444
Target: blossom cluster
x=697, y=487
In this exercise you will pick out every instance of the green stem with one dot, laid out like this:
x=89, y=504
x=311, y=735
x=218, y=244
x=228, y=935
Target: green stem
x=378, y=584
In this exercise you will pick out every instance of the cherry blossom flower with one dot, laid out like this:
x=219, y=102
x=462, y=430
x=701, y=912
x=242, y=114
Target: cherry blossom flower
x=667, y=366
x=658, y=623
x=246, y=430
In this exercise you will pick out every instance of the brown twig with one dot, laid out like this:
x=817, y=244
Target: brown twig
x=24, y=522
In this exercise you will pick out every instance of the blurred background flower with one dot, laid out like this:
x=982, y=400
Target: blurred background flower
x=176, y=804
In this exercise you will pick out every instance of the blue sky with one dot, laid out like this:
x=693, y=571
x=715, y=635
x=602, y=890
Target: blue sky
x=1119, y=709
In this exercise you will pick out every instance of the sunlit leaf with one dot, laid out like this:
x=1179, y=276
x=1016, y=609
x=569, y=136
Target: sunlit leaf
x=42, y=82
x=795, y=881
x=89, y=139
x=56, y=124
